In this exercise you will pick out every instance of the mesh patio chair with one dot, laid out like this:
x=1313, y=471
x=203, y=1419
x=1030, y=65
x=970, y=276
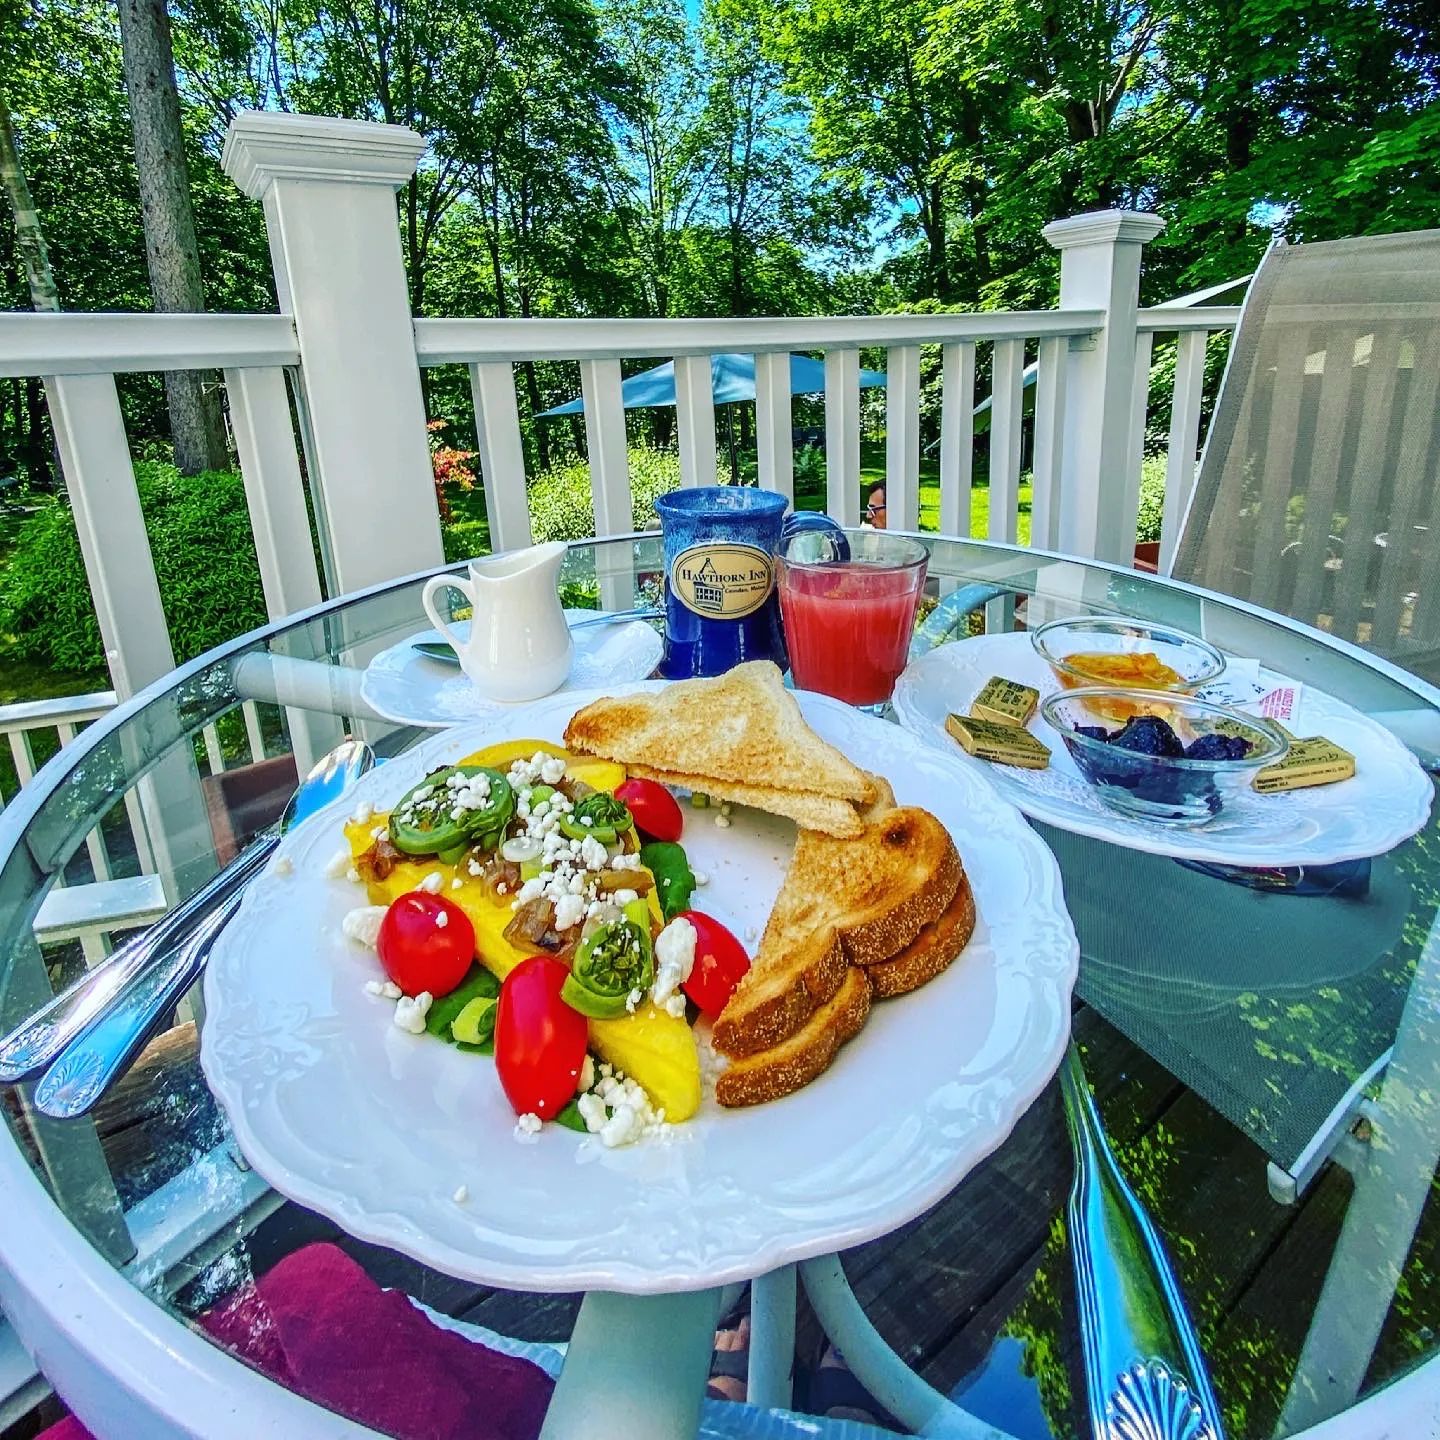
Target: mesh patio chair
x=1318, y=494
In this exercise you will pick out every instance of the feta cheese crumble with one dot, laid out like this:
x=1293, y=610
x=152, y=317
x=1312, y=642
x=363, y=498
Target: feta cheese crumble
x=338, y=863
x=569, y=911
x=410, y=1014
x=527, y=1127
x=618, y=1111
x=284, y=865
x=432, y=882
x=674, y=960
x=442, y=919
x=362, y=925
x=362, y=813
x=461, y=1195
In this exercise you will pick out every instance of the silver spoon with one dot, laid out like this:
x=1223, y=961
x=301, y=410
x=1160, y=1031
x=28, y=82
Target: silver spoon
x=90, y=1063
x=442, y=650
x=33, y=1044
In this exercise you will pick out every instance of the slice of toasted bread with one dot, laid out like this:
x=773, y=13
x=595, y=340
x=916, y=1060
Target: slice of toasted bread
x=874, y=894
x=937, y=944
x=810, y=812
x=743, y=727
x=884, y=797
x=797, y=1060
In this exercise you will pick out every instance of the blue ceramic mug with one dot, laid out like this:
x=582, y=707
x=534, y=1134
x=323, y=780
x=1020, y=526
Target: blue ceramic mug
x=721, y=608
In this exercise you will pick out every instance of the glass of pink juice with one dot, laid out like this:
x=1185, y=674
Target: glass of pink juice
x=849, y=605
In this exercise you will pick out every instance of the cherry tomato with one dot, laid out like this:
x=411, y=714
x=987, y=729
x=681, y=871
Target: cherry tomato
x=539, y=1040
x=419, y=949
x=720, y=962
x=657, y=814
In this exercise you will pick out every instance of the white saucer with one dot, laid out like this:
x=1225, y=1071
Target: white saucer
x=1386, y=802
x=412, y=689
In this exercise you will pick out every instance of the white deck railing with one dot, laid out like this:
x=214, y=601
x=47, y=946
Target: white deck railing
x=335, y=379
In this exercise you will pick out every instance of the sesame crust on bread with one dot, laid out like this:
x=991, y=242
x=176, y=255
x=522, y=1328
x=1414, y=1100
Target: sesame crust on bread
x=781, y=999
x=930, y=952
x=794, y=1063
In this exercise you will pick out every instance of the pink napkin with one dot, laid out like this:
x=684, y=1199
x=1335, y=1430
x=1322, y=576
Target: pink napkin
x=320, y=1326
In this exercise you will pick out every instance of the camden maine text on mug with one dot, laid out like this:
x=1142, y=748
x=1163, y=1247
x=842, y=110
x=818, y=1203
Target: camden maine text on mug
x=720, y=580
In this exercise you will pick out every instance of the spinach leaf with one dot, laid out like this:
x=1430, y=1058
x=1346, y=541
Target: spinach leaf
x=674, y=879
x=569, y=1117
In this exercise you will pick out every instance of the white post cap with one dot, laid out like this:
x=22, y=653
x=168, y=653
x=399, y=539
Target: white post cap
x=262, y=146
x=1103, y=227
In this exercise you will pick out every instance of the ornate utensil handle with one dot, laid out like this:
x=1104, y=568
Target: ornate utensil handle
x=1144, y=1369
x=33, y=1044
x=90, y=1064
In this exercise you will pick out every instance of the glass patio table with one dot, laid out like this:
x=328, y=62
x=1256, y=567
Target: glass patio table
x=1267, y=1066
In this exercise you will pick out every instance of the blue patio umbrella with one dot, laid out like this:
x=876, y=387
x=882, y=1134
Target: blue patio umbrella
x=732, y=380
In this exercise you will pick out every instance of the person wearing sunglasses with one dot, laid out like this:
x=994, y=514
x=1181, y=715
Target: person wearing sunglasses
x=875, y=508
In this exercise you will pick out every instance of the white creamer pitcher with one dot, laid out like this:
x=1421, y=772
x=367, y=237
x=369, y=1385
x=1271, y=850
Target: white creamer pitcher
x=519, y=646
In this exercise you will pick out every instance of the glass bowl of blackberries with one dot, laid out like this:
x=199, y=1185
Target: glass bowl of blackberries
x=1178, y=761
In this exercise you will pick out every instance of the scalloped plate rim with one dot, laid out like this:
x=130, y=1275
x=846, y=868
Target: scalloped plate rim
x=1026, y=1079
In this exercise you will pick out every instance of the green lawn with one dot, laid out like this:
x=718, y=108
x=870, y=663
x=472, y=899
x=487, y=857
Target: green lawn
x=872, y=473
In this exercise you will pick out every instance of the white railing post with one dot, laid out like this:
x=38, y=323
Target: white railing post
x=328, y=189
x=1100, y=462
x=100, y=481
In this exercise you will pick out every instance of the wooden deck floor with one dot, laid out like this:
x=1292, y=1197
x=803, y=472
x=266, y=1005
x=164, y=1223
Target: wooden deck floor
x=976, y=1294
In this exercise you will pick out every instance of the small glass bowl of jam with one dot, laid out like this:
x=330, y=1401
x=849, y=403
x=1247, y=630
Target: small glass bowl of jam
x=1118, y=655
x=1177, y=762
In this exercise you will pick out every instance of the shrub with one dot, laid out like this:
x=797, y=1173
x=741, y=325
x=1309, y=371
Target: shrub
x=560, y=504
x=199, y=529
x=809, y=465
x=1152, y=498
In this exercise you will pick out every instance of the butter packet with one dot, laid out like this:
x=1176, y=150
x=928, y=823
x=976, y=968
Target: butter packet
x=1315, y=761
x=1005, y=702
x=999, y=744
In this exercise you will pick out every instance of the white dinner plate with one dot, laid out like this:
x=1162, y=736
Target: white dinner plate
x=376, y=1128
x=412, y=689
x=1387, y=801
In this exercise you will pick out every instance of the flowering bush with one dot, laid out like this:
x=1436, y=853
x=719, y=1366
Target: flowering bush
x=449, y=465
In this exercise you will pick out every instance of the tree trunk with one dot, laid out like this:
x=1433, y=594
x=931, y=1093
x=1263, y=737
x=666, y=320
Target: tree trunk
x=171, y=251
x=44, y=294
x=37, y=451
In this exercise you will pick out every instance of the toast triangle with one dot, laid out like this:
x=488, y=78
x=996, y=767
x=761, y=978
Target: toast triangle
x=843, y=903
x=742, y=727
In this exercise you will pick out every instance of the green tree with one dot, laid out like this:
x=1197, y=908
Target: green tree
x=172, y=252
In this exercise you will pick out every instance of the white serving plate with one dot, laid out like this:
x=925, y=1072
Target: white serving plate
x=375, y=1128
x=409, y=688
x=1387, y=801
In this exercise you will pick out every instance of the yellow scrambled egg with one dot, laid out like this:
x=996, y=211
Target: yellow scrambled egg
x=656, y=1049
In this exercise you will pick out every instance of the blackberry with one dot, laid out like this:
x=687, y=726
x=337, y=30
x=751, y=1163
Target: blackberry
x=1218, y=747
x=1149, y=735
